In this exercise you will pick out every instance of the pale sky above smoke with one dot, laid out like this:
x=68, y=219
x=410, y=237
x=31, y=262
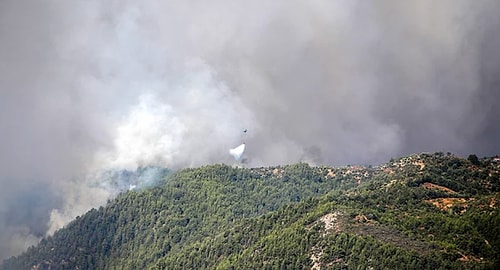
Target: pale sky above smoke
x=94, y=85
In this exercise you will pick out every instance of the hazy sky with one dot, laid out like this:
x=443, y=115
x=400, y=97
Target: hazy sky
x=87, y=86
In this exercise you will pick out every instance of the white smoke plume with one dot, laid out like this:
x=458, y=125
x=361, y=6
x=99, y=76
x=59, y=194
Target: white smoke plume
x=90, y=88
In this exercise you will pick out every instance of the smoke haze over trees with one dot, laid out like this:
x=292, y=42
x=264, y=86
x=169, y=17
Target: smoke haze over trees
x=91, y=86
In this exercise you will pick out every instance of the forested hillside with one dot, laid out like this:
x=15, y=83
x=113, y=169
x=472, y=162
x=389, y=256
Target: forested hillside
x=427, y=211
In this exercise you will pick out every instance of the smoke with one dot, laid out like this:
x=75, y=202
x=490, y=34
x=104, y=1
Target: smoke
x=88, y=88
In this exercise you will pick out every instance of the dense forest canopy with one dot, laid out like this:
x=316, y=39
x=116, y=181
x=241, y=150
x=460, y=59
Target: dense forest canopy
x=425, y=211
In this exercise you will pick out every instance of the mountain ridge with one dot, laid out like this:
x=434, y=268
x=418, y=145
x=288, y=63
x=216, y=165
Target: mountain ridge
x=418, y=212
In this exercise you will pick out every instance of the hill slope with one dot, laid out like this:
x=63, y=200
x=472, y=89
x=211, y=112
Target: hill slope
x=418, y=212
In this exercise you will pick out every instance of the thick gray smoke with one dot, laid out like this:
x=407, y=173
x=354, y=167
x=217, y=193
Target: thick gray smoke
x=88, y=87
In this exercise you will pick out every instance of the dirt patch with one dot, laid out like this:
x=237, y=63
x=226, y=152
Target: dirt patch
x=315, y=257
x=332, y=223
x=493, y=202
x=331, y=173
x=448, y=203
x=468, y=258
x=278, y=172
x=421, y=164
x=428, y=185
